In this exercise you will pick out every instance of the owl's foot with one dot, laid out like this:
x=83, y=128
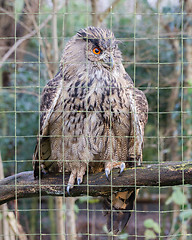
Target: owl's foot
x=110, y=165
x=76, y=173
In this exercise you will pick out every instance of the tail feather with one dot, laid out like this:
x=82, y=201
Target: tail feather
x=122, y=206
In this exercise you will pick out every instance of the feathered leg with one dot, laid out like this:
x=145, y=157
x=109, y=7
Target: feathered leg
x=76, y=173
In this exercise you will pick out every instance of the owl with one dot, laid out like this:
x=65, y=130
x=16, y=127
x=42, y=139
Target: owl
x=92, y=118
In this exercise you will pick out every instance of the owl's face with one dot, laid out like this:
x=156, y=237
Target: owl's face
x=101, y=47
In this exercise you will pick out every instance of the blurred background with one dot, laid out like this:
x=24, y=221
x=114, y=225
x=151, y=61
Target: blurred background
x=156, y=44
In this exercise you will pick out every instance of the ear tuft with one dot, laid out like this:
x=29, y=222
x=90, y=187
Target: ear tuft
x=82, y=34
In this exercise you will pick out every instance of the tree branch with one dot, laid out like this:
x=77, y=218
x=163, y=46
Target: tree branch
x=21, y=40
x=24, y=185
x=103, y=15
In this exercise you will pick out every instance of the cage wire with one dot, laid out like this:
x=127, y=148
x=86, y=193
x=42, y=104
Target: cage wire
x=156, y=45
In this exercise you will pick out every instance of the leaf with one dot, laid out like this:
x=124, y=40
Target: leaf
x=84, y=199
x=149, y=234
x=94, y=200
x=169, y=200
x=123, y=236
x=150, y=223
x=89, y=199
x=186, y=214
x=76, y=208
x=106, y=231
x=19, y=5
x=179, y=197
x=156, y=227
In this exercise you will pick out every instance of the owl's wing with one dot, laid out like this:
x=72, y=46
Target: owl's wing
x=139, y=115
x=141, y=107
x=49, y=100
x=138, y=104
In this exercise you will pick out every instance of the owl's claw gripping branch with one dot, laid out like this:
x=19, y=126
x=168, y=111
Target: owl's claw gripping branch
x=110, y=165
x=78, y=174
x=71, y=180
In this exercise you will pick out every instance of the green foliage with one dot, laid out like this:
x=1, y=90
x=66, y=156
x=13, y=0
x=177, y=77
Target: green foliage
x=19, y=6
x=88, y=199
x=20, y=117
x=152, y=229
x=150, y=223
x=150, y=234
x=177, y=196
x=123, y=236
x=186, y=214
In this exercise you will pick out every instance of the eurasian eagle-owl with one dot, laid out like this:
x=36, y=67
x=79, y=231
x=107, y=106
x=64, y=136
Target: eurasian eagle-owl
x=92, y=117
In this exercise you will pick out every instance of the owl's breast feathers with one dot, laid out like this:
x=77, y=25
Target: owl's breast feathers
x=101, y=105
x=112, y=98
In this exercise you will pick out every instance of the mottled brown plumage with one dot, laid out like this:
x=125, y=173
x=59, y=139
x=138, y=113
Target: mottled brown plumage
x=92, y=117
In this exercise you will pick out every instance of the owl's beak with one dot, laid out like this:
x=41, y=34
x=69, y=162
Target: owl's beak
x=109, y=61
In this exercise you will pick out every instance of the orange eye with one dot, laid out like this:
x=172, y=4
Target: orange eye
x=96, y=50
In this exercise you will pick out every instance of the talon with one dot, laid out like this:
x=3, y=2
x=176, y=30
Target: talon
x=122, y=167
x=78, y=181
x=107, y=172
x=139, y=162
x=68, y=188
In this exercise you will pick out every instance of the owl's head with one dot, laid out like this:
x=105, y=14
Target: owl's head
x=100, y=46
x=91, y=47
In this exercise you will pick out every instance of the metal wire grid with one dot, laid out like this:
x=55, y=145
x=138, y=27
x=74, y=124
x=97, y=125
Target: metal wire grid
x=158, y=112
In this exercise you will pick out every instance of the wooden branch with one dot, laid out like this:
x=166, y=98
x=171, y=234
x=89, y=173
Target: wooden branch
x=24, y=185
x=103, y=15
x=27, y=36
x=43, y=49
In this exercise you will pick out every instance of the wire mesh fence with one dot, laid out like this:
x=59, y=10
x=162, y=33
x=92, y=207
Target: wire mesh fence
x=155, y=39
